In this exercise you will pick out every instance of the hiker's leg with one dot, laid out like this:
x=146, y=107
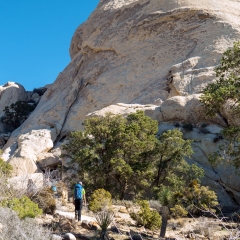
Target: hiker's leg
x=76, y=212
x=80, y=210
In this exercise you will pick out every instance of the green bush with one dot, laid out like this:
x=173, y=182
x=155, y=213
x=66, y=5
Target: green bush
x=199, y=198
x=45, y=200
x=5, y=167
x=24, y=207
x=17, y=113
x=100, y=200
x=178, y=211
x=146, y=217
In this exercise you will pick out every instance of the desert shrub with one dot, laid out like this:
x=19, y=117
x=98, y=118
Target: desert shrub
x=24, y=207
x=45, y=200
x=17, y=113
x=100, y=200
x=146, y=217
x=5, y=167
x=178, y=211
x=6, y=190
x=188, y=127
x=199, y=198
x=14, y=228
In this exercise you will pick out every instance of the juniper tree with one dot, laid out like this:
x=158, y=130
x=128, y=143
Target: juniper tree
x=226, y=91
x=115, y=152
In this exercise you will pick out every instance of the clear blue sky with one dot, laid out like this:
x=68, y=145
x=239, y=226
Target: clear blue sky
x=35, y=37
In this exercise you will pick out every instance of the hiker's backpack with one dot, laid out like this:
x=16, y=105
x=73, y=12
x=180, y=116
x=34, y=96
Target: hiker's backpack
x=54, y=188
x=78, y=191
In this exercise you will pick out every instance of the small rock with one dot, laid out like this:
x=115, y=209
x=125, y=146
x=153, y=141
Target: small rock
x=85, y=225
x=123, y=210
x=65, y=225
x=48, y=216
x=135, y=235
x=198, y=236
x=69, y=236
x=56, y=237
x=93, y=226
x=191, y=236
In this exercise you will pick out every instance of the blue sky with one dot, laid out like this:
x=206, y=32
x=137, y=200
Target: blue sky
x=35, y=37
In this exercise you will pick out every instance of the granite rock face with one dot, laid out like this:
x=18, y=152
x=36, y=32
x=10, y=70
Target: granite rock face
x=144, y=52
x=138, y=52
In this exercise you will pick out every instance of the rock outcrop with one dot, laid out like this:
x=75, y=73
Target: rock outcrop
x=10, y=93
x=134, y=52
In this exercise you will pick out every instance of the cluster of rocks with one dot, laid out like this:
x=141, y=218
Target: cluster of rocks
x=64, y=226
x=67, y=228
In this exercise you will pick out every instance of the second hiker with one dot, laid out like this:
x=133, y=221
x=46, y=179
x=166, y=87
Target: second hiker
x=78, y=200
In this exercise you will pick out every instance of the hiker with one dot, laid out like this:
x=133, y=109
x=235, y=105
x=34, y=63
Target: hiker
x=78, y=199
x=54, y=189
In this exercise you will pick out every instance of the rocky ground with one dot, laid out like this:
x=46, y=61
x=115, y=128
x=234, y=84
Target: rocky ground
x=64, y=226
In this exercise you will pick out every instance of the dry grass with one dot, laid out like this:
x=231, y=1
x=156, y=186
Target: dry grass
x=13, y=228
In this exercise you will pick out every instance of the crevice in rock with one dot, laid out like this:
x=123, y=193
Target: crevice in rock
x=161, y=113
x=192, y=50
x=85, y=49
x=82, y=86
x=77, y=69
x=224, y=189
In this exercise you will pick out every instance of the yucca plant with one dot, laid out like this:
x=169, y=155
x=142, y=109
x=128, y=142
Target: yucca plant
x=104, y=219
x=166, y=199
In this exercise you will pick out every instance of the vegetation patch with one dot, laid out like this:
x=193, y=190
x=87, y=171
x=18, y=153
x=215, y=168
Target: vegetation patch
x=146, y=217
x=24, y=207
x=100, y=200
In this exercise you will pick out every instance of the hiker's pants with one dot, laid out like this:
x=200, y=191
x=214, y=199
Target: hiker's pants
x=78, y=209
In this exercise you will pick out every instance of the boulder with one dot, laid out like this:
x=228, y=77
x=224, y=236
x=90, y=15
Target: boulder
x=48, y=160
x=150, y=110
x=21, y=182
x=187, y=109
x=39, y=91
x=10, y=93
x=35, y=97
x=28, y=147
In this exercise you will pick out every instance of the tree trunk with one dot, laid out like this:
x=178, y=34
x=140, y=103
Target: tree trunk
x=165, y=213
x=123, y=190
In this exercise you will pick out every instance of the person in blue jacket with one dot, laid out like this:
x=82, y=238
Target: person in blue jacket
x=79, y=199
